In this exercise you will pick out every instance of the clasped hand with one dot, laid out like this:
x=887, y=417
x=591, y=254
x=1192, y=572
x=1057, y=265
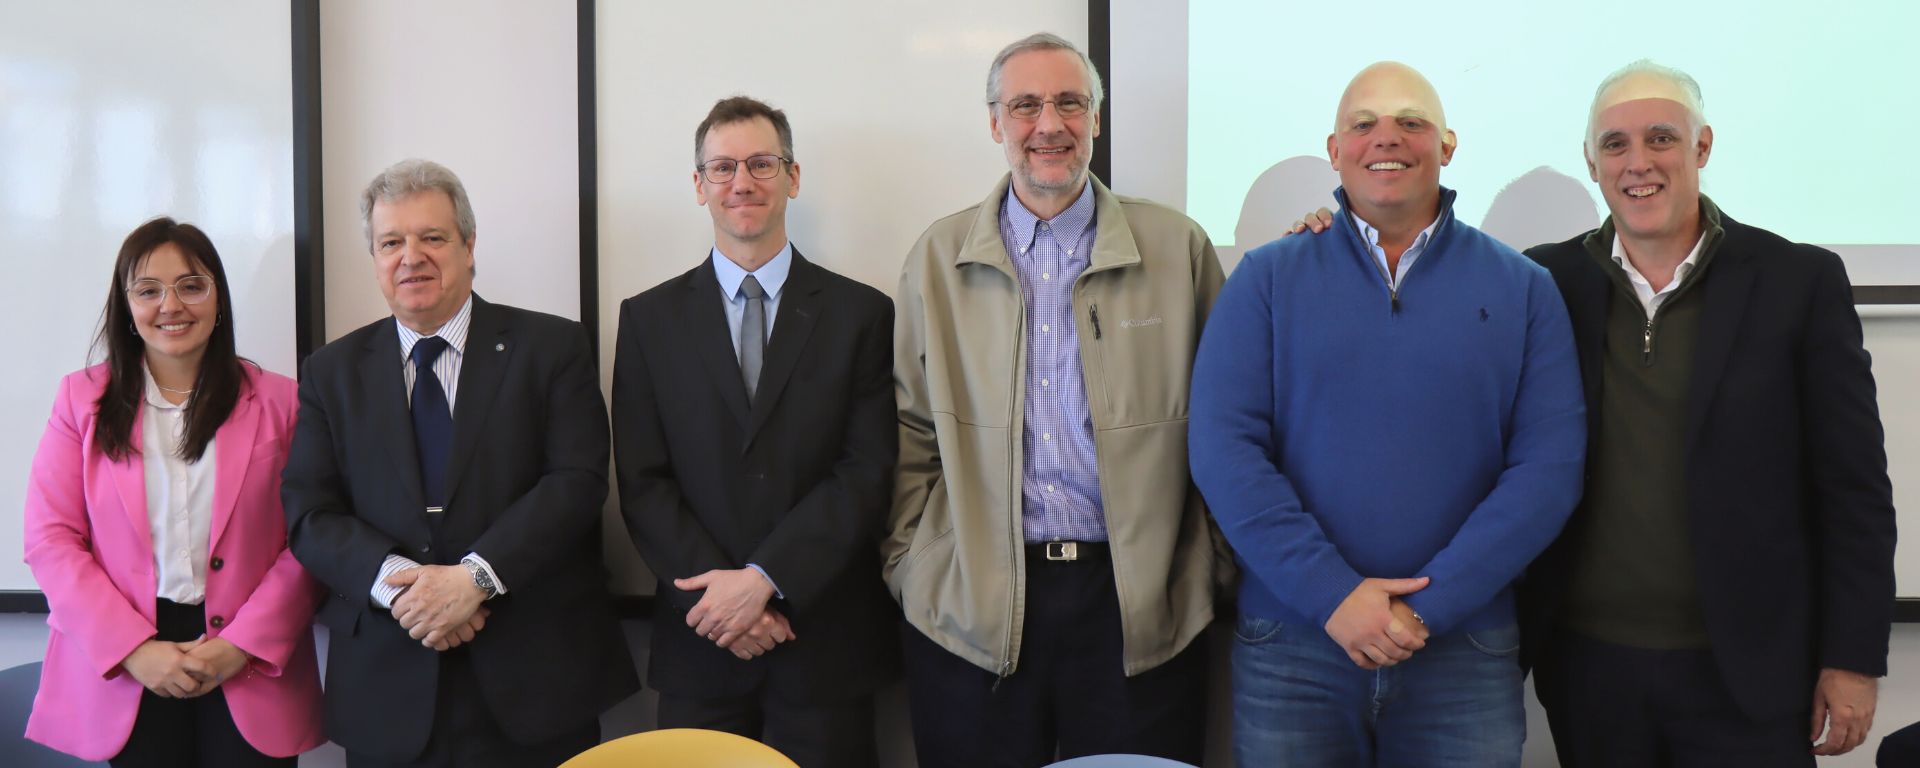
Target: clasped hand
x=185, y=670
x=1375, y=627
x=440, y=605
x=734, y=613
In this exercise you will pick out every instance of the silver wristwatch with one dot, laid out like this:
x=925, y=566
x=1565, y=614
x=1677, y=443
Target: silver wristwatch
x=481, y=579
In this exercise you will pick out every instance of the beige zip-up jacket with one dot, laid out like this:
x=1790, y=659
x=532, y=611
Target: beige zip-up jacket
x=954, y=555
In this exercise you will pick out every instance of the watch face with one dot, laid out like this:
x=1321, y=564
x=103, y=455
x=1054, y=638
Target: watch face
x=480, y=578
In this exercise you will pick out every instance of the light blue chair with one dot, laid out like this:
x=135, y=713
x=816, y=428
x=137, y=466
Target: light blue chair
x=1120, y=761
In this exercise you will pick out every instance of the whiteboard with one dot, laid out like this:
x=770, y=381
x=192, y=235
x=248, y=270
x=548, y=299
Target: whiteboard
x=104, y=124
x=890, y=130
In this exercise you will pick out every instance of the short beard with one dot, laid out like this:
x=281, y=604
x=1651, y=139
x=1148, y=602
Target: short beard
x=1076, y=175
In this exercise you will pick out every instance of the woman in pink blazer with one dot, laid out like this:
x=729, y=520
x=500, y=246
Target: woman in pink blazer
x=181, y=625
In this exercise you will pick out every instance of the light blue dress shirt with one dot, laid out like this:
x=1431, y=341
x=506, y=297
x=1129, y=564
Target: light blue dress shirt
x=1060, y=478
x=1372, y=236
x=773, y=277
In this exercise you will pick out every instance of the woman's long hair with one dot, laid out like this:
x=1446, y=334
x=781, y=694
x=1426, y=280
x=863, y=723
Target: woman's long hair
x=218, y=387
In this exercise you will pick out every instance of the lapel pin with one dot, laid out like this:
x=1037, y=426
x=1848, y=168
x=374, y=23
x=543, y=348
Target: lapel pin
x=500, y=347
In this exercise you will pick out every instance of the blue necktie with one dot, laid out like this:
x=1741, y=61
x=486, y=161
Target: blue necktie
x=432, y=420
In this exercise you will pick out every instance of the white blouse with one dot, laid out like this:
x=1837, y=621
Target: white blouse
x=179, y=500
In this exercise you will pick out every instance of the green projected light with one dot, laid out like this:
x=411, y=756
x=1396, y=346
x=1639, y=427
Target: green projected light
x=1812, y=104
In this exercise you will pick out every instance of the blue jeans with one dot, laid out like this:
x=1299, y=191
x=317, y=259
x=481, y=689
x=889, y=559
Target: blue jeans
x=1299, y=701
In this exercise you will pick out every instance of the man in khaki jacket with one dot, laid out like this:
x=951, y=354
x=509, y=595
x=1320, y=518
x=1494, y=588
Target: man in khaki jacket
x=1046, y=545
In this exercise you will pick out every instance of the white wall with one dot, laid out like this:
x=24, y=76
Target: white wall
x=485, y=87
x=103, y=126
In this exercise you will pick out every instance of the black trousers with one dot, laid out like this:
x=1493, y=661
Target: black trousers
x=815, y=735
x=465, y=735
x=187, y=733
x=1069, y=695
x=1611, y=705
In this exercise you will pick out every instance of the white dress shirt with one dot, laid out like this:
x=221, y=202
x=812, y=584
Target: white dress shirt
x=447, y=369
x=179, y=499
x=1651, y=299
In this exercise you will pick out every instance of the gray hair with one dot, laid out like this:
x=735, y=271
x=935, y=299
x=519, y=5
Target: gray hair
x=408, y=178
x=1043, y=41
x=1688, y=87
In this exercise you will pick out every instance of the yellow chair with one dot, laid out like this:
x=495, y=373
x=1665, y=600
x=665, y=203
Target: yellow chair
x=681, y=748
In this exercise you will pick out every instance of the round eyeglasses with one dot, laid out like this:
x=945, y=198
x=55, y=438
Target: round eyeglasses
x=191, y=289
x=759, y=166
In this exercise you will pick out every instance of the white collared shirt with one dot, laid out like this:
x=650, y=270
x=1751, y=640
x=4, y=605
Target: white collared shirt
x=447, y=368
x=447, y=365
x=1651, y=299
x=1372, y=236
x=179, y=499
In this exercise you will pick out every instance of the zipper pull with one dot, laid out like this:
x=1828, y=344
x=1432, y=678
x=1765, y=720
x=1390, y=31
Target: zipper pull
x=1646, y=344
x=1094, y=312
x=1395, y=292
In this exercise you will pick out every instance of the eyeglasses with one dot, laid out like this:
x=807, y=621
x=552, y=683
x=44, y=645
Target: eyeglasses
x=191, y=289
x=759, y=166
x=1068, y=106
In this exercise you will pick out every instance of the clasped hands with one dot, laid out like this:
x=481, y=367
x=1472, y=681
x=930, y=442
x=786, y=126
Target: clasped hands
x=185, y=670
x=734, y=613
x=439, y=605
x=1375, y=626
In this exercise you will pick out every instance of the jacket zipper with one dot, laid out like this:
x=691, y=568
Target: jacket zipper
x=1393, y=291
x=1646, y=343
x=1015, y=532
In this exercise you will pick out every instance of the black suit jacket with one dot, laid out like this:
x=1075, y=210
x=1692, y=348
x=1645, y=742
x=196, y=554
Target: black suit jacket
x=1790, y=510
x=796, y=482
x=526, y=482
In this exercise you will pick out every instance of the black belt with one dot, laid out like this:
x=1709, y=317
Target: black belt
x=1067, y=551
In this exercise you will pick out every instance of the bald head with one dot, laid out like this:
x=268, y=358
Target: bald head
x=1390, y=89
x=1389, y=141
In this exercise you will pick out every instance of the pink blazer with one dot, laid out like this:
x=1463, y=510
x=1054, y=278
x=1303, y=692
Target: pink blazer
x=91, y=550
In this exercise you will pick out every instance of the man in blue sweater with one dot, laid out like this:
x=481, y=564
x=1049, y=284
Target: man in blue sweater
x=1386, y=450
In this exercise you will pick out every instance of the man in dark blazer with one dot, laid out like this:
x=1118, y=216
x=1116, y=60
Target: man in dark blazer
x=753, y=428
x=445, y=484
x=1724, y=593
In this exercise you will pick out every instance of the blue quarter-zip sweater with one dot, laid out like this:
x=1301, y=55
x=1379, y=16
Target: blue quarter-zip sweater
x=1338, y=434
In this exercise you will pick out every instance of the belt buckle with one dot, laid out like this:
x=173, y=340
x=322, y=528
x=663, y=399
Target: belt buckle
x=1066, y=551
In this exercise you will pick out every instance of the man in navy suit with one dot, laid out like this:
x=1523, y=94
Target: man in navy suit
x=753, y=423
x=445, y=483
x=1723, y=595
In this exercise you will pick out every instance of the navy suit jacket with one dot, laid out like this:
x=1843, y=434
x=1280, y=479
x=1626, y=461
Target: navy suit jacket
x=526, y=482
x=798, y=481
x=1790, y=511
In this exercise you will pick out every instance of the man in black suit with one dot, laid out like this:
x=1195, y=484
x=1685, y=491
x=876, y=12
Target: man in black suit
x=754, y=430
x=445, y=484
x=1724, y=593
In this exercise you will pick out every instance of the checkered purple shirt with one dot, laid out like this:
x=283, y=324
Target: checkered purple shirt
x=1060, y=483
